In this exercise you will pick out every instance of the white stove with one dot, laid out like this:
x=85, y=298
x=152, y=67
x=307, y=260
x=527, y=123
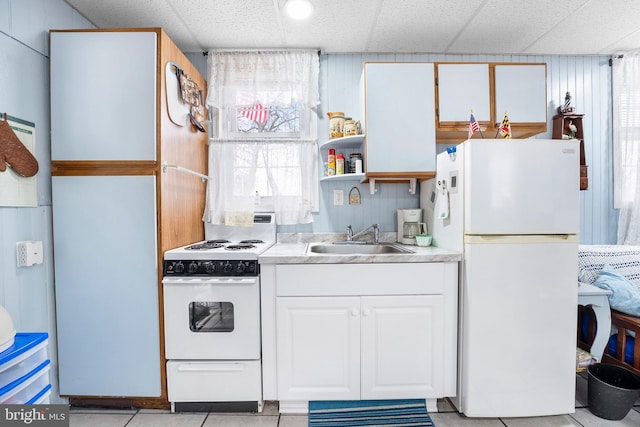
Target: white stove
x=230, y=243
x=220, y=249
x=212, y=318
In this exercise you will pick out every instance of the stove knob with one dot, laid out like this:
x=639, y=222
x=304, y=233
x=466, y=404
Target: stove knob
x=209, y=267
x=192, y=267
x=240, y=268
x=227, y=267
x=178, y=267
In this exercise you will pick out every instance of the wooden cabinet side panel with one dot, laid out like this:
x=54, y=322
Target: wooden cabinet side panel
x=182, y=195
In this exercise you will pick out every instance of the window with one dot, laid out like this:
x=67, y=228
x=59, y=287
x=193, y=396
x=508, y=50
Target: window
x=626, y=145
x=263, y=154
x=254, y=119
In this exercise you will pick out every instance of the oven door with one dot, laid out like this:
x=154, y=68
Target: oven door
x=212, y=318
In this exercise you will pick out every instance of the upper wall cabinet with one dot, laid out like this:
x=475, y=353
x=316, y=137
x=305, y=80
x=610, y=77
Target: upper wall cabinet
x=116, y=118
x=399, y=126
x=490, y=90
x=460, y=88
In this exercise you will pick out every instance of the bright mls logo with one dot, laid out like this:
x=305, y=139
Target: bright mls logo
x=34, y=415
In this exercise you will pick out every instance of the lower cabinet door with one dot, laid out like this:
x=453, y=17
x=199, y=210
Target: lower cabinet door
x=402, y=343
x=318, y=347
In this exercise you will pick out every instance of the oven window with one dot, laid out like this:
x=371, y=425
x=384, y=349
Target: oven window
x=207, y=316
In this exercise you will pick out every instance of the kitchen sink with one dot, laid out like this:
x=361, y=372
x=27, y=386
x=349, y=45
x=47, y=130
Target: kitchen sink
x=344, y=248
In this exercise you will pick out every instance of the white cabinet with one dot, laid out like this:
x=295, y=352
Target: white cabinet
x=377, y=347
x=398, y=360
x=106, y=294
x=490, y=90
x=521, y=92
x=318, y=348
x=462, y=88
x=108, y=122
x=380, y=331
x=399, y=121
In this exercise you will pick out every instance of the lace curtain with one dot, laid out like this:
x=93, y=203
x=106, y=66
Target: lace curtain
x=626, y=145
x=283, y=163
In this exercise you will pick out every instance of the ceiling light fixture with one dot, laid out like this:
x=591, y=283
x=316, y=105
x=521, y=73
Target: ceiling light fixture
x=298, y=9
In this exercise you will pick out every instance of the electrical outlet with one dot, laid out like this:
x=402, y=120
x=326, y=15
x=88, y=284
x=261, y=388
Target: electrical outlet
x=28, y=253
x=338, y=197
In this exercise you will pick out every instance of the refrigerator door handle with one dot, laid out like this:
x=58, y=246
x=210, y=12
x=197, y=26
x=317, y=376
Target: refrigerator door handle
x=532, y=238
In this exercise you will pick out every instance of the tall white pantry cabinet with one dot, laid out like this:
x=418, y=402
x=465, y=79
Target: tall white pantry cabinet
x=114, y=209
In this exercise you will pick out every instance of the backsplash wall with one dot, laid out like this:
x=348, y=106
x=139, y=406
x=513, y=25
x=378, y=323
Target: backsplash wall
x=588, y=78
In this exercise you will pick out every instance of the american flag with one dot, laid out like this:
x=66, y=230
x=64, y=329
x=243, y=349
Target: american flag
x=505, y=128
x=473, y=126
x=256, y=113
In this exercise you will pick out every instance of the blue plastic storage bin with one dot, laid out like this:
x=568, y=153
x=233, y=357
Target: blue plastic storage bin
x=24, y=370
x=28, y=351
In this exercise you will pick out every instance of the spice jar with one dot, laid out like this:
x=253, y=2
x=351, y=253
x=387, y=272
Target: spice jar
x=355, y=159
x=340, y=164
x=331, y=162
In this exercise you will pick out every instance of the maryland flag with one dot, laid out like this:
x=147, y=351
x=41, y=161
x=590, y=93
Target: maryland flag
x=505, y=128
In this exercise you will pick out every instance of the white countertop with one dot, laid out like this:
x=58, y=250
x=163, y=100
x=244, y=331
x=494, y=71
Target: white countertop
x=292, y=249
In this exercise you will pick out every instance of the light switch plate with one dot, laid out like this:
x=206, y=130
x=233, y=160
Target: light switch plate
x=338, y=197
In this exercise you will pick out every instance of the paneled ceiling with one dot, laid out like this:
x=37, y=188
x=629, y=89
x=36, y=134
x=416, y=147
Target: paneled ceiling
x=538, y=27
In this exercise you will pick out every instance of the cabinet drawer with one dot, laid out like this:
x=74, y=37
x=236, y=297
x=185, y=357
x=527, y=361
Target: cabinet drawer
x=27, y=353
x=361, y=279
x=27, y=387
x=203, y=381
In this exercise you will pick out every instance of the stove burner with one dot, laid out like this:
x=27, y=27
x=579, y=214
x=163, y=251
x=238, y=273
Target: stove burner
x=239, y=247
x=218, y=241
x=205, y=245
x=252, y=241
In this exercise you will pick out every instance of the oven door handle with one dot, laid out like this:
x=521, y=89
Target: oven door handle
x=210, y=280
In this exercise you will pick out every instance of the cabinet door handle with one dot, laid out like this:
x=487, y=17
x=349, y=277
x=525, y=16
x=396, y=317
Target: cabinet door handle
x=366, y=312
x=354, y=312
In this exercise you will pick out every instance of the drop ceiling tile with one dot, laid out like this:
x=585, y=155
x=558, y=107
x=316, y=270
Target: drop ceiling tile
x=501, y=27
x=598, y=27
x=231, y=23
x=420, y=26
x=337, y=26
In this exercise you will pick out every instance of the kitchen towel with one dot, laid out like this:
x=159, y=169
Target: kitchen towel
x=339, y=413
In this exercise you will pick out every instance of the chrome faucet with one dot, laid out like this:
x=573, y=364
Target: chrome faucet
x=376, y=233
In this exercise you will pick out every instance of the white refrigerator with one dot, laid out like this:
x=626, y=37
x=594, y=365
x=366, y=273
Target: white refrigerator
x=512, y=208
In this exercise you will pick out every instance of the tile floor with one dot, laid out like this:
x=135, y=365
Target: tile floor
x=446, y=417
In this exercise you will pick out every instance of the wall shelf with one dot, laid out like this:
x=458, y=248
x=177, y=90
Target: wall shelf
x=344, y=177
x=353, y=141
